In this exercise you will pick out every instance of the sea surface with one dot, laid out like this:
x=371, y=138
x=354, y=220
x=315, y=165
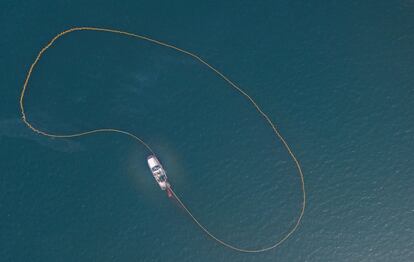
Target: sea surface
x=336, y=77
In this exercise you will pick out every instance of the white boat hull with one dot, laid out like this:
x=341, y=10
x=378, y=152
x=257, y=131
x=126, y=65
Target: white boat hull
x=158, y=172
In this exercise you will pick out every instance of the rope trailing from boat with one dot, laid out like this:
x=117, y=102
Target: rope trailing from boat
x=139, y=140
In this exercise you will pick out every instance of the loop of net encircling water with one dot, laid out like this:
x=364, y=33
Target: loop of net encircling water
x=139, y=140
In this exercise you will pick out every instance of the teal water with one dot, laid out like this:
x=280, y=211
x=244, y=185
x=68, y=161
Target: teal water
x=336, y=78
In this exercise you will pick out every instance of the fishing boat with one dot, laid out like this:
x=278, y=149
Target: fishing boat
x=158, y=172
